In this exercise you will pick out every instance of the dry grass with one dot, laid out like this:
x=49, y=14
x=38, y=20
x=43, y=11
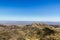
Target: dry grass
x=30, y=32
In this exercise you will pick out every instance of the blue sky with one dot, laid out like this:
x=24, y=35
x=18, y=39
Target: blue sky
x=30, y=10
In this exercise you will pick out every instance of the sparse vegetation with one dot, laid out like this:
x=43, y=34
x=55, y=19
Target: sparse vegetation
x=30, y=32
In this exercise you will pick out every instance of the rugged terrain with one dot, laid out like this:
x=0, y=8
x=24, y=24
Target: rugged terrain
x=30, y=32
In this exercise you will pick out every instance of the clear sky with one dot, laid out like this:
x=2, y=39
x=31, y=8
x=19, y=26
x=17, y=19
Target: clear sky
x=30, y=10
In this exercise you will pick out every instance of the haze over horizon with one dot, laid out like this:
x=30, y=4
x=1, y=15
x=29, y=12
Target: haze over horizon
x=30, y=10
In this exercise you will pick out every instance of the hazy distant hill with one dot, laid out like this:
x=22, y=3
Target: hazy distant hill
x=28, y=22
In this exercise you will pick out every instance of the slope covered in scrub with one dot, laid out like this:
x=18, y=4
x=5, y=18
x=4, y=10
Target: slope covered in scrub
x=30, y=32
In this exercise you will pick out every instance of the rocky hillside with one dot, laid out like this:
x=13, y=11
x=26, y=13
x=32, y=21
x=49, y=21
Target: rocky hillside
x=30, y=32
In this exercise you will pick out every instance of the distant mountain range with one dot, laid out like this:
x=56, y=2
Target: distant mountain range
x=28, y=22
